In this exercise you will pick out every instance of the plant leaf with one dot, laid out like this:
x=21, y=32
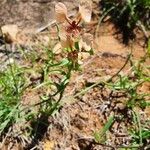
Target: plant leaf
x=99, y=136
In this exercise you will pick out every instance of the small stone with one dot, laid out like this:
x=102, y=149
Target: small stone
x=10, y=33
x=84, y=116
x=120, y=106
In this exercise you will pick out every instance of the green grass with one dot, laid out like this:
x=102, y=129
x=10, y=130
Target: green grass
x=100, y=136
x=54, y=74
x=140, y=131
x=127, y=15
x=12, y=84
x=129, y=84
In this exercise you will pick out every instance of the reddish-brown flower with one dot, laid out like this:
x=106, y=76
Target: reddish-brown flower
x=71, y=31
x=70, y=27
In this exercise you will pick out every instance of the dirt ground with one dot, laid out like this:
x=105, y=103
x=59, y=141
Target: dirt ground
x=73, y=126
x=29, y=14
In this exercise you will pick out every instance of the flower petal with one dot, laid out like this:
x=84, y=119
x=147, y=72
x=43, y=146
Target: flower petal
x=85, y=10
x=60, y=12
x=87, y=38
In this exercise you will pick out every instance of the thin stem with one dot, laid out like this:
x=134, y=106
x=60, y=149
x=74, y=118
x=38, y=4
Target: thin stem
x=104, y=82
x=51, y=97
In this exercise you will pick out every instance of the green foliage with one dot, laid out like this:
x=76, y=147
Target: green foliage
x=129, y=84
x=140, y=131
x=100, y=136
x=127, y=14
x=132, y=10
x=12, y=84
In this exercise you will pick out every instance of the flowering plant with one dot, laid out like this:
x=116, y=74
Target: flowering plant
x=72, y=36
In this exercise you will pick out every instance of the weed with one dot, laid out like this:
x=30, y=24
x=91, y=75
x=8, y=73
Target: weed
x=12, y=84
x=129, y=84
x=128, y=14
x=54, y=71
x=140, y=130
x=100, y=136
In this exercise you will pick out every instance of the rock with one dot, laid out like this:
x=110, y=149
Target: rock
x=10, y=33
